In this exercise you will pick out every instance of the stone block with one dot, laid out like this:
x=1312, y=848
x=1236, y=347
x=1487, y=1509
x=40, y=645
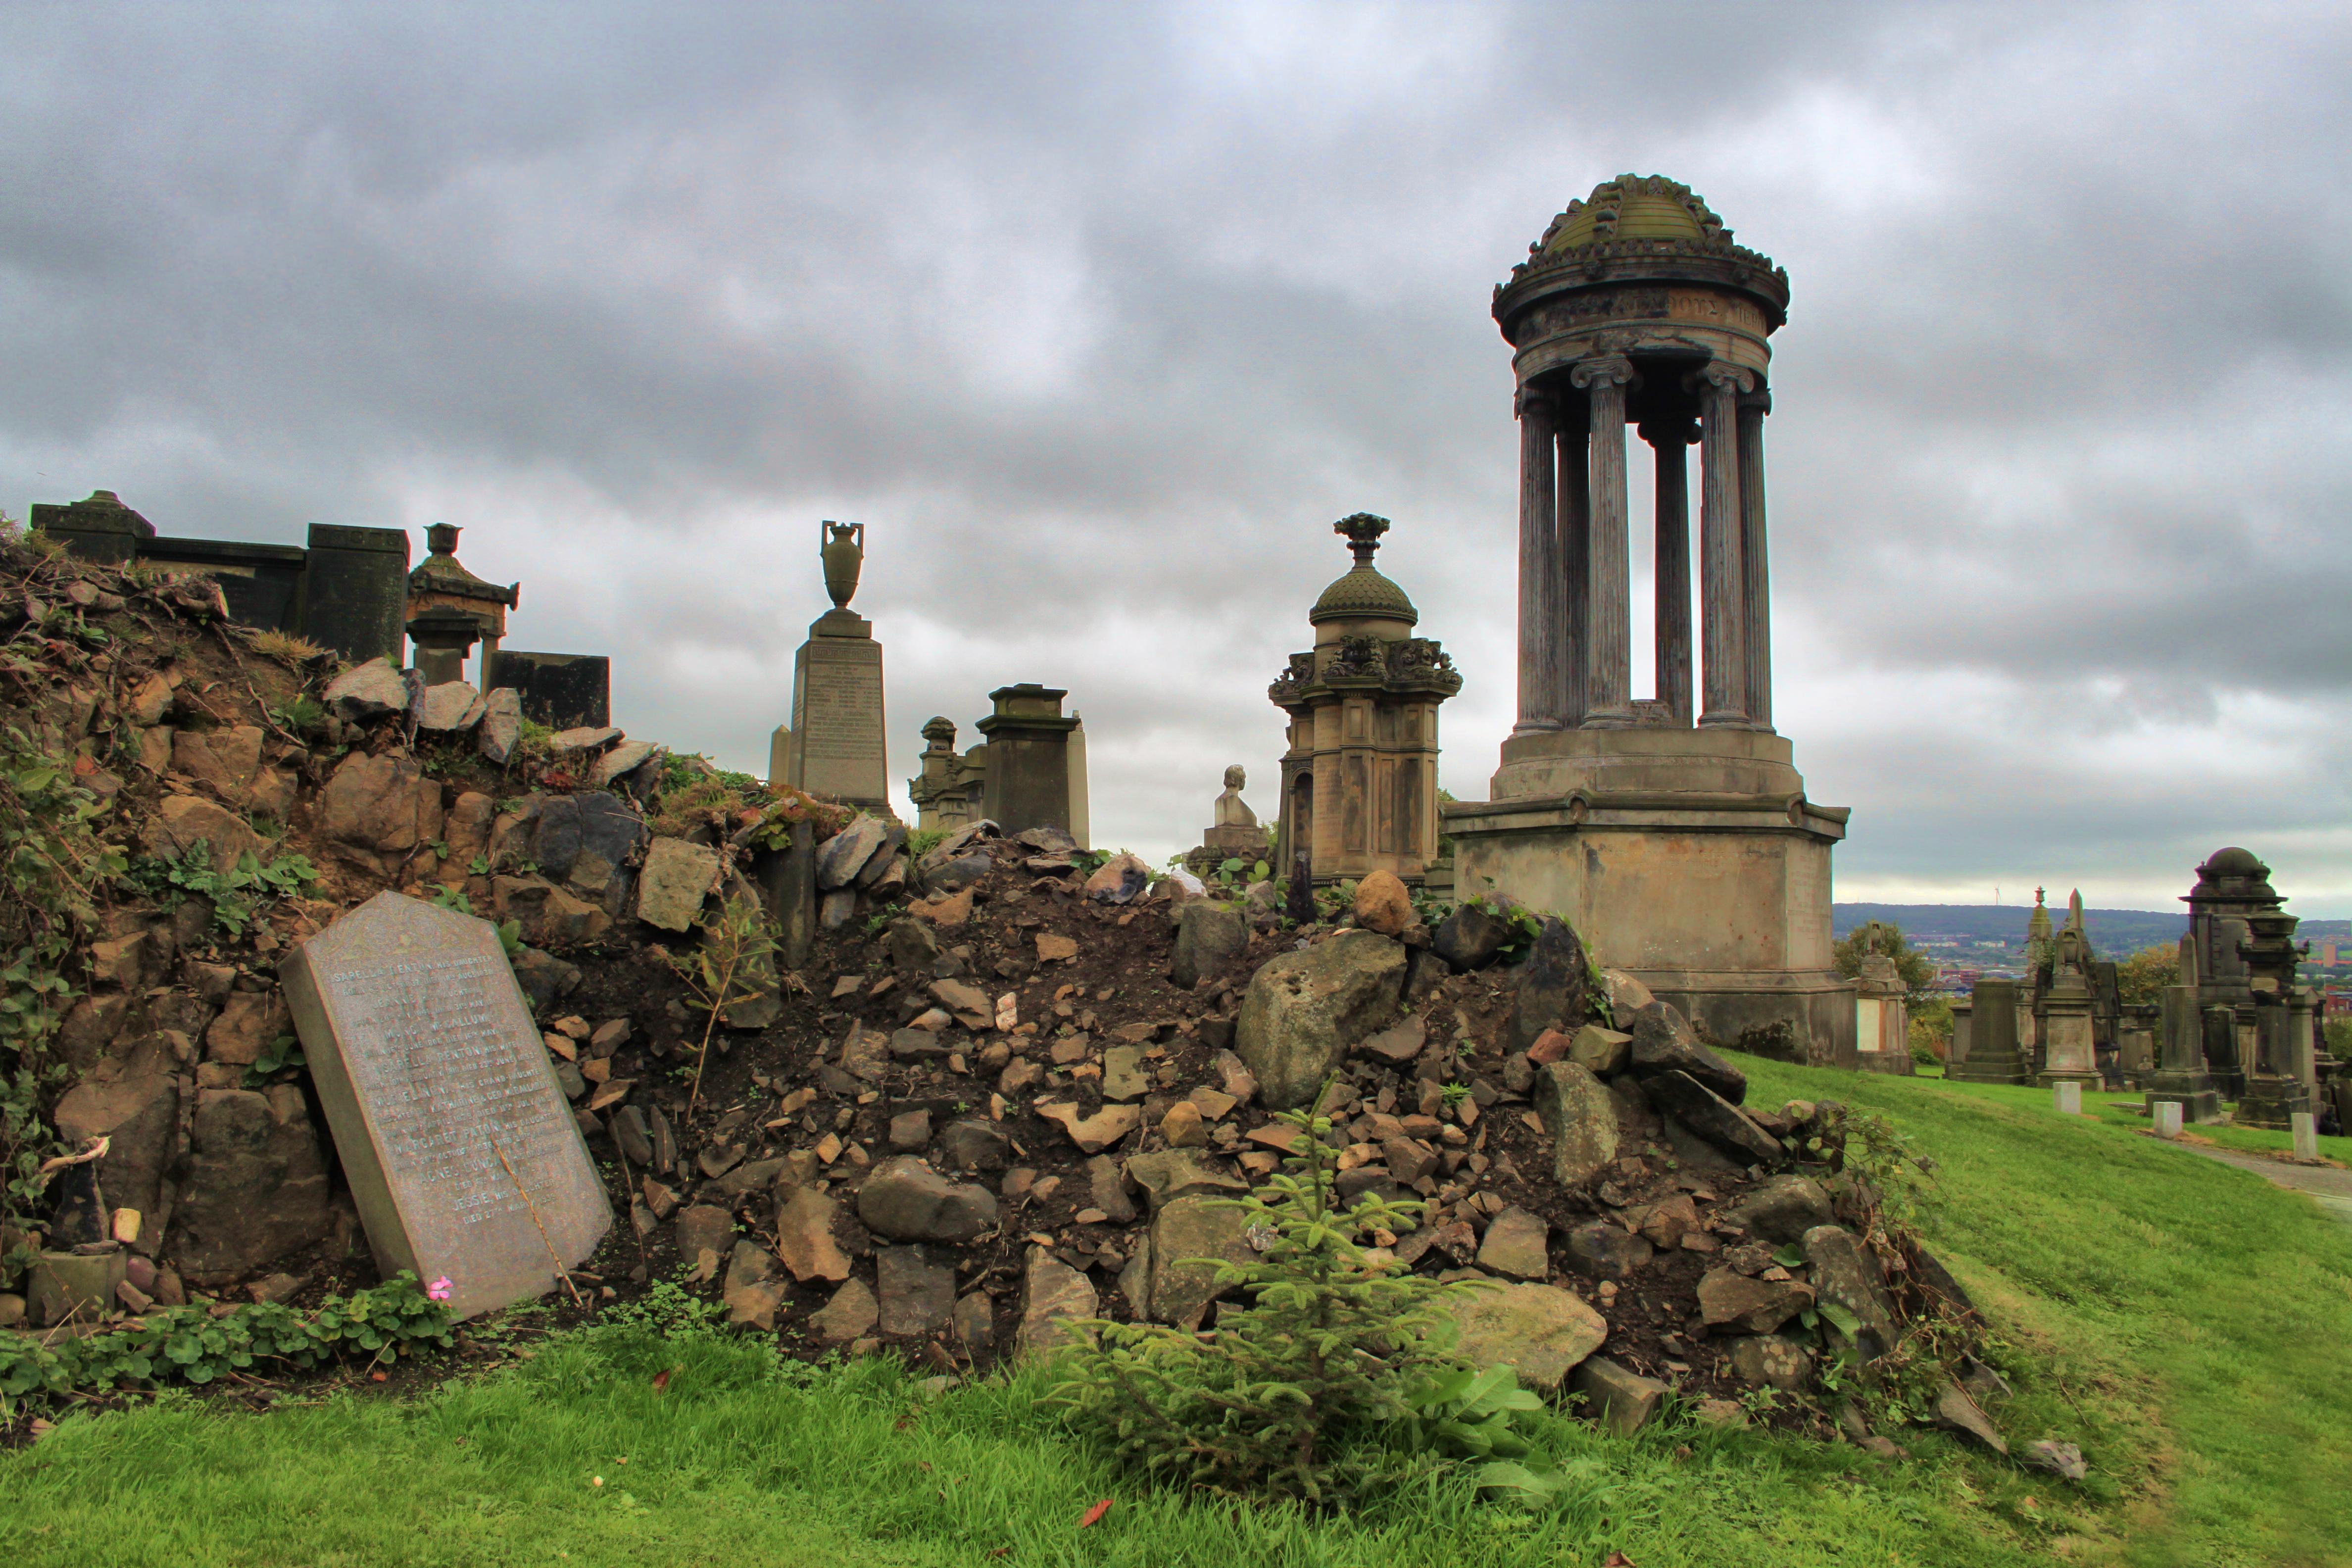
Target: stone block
x=1054, y=1298
x=676, y=879
x=1771, y=1361
x=74, y=1287
x=917, y=1296
x=906, y=1200
x=1580, y=1116
x=1209, y=936
x=1621, y=1399
x=1189, y=1235
x=1542, y=1331
x=1304, y=1010
x=255, y=1188
x=1551, y=985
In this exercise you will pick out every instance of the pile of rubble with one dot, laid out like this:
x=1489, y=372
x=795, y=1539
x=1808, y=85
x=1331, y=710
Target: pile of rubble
x=983, y=1090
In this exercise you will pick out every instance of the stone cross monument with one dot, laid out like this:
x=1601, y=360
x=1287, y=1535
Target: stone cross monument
x=834, y=745
x=1674, y=834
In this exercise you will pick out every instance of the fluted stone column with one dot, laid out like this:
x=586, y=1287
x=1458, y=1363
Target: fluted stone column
x=1542, y=610
x=1608, y=624
x=1723, y=586
x=1670, y=438
x=1575, y=551
x=1755, y=558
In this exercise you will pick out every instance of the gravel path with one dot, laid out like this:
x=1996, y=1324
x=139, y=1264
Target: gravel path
x=2330, y=1187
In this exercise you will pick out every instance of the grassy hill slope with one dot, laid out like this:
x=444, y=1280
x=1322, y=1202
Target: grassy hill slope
x=2185, y=1322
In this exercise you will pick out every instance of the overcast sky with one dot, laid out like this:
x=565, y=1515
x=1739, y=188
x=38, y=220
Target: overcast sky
x=1098, y=316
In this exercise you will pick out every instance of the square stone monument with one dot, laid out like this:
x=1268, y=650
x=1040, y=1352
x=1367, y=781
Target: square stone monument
x=462, y=1153
x=2180, y=1078
x=1992, y=1054
x=1028, y=780
x=836, y=746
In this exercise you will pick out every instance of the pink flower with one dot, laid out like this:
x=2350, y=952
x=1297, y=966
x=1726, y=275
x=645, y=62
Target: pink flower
x=439, y=1290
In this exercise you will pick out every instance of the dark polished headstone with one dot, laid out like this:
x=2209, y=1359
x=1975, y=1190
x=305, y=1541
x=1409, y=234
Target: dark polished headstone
x=1993, y=1053
x=561, y=690
x=355, y=591
x=2180, y=1074
x=263, y=584
x=99, y=528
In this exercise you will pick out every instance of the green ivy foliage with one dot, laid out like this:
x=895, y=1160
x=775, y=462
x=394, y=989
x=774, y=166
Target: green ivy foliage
x=237, y=893
x=197, y=1344
x=53, y=865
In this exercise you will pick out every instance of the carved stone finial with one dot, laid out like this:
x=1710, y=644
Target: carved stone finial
x=941, y=733
x=1362, y=530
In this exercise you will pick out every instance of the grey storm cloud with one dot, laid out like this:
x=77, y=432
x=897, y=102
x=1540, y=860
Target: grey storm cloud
x=1098, y=316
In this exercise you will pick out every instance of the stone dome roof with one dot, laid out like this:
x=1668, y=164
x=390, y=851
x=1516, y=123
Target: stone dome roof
x=1633, y=207
x=2235, y=862
x=1639, y=228
x=1363, y=594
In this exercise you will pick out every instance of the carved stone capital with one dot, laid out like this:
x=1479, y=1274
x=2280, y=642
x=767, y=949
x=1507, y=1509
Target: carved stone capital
x=1530, y=400
x=1608, y=369
x=1724, y=374
x=1678, y=431
x=1756, y=402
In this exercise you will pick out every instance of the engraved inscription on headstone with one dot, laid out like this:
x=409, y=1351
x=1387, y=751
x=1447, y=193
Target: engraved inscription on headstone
x=843, y=717
x=461, y=1152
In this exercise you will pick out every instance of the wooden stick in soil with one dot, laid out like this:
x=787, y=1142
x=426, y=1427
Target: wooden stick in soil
x=532, y=1209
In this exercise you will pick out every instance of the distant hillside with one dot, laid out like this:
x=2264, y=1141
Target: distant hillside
x=2114, y=933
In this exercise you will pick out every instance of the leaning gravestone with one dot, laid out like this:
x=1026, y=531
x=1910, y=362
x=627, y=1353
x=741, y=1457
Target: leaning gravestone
x=462, y=1155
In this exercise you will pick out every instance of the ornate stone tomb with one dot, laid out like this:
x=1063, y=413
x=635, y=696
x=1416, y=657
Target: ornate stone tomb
x=462, y=1155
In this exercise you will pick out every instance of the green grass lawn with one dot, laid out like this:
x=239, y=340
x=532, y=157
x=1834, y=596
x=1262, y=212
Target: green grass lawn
x=2126, y=1111
x=2173, y=1316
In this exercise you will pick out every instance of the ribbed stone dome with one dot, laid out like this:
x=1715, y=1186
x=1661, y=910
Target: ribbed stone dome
x=1633, y=207
x=1363, y=594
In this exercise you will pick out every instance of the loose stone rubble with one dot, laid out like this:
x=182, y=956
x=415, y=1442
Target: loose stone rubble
x=987, y=1089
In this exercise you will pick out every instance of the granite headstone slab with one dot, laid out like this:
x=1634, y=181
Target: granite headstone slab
x=462, y=1155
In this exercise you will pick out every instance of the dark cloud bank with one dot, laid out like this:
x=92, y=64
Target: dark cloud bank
x=1099, y=317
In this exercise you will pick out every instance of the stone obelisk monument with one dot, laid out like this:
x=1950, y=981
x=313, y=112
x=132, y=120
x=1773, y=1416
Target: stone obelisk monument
x=833, y=745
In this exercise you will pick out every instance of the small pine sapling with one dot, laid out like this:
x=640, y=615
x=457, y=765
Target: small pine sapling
x=1336, y=1376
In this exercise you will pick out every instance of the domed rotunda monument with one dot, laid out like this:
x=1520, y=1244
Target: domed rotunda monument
x=1676, y=836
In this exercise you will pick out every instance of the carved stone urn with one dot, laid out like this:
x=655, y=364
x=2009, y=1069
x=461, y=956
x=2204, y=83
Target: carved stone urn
x=842, y=546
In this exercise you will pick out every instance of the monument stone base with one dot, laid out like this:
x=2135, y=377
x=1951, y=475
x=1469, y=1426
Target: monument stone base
x=2197, y=1104
x=2272, y=1102
x=1895, y=1064
x=2010, y=1068
x=1689, y=858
